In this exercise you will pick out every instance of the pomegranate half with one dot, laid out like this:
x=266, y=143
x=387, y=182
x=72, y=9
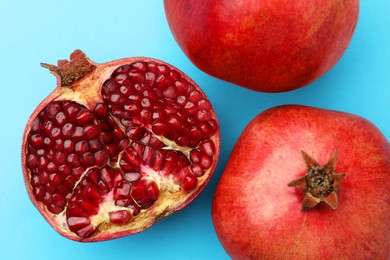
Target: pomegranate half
x=117, y=146
x=306, y=183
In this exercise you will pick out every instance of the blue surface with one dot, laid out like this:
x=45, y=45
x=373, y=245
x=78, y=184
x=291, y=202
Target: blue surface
x=45, y=31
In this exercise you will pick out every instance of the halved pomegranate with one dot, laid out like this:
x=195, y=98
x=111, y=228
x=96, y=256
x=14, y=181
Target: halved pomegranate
x=117, y=146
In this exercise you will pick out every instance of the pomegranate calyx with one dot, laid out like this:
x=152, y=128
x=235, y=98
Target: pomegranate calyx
x=73, y=70
x=320, y=182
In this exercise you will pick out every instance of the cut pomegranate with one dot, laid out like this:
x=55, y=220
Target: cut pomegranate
x=118, y=146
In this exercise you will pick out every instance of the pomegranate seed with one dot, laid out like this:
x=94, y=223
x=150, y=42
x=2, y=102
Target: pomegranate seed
x=71, y=111
x=39, y=193
x=84, y=116
x=36, y=141
x=67, y=130
x=91, y=131
x=31, y=161
x=65, y=169
x=81, y=147
x=195, y=96
x=197, y=170
x=203, y=115
x=132, y=176
x=204, y=104
x=159, y=128
x=120, y=217
x=73, y=160
x=60, y=119
x=181, y=86
x=78, y=222
x=136, y=77
x=170, y=92
x=207, y=147
x=55, y=133
x=195, y=156
x=92, y=193
x=87, y=159
x=101, y=111
x=206, y=161
x=47, y=127
x=150, y=77
x=36, y=126
x=122, y=190
x=190, y=107
x=51, y=167
x=68, y=146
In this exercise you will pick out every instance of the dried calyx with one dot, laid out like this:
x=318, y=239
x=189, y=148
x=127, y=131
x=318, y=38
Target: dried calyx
x=320, y=182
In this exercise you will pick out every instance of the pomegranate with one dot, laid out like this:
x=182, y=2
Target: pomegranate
x=117, y=146
x=268, y=45
x=306, y=183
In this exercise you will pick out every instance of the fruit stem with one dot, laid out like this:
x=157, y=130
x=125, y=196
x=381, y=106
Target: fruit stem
x=73, y=70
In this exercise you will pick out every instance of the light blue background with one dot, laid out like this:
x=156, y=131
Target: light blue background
x=45, y=31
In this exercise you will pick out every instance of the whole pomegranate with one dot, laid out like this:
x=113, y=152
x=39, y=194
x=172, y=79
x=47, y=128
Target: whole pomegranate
x=265, y=45
x=117, y=146
x=306, y=183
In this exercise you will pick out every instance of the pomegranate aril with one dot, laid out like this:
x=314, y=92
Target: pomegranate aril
x=87, y=159
x=78, y=133
x=150, y=78
x=73, y=160
x=190, y=107
x=170, y=92
x=55, y=209
x=207, y=147
x=81, y=147
x=187, y=180
x=91, y=131
x=84, y=116
x=67, y=130
x=181, y=86
x=120, y=217
x=36, y=141
x=31, y=161
x=203, y=115
x=81, y=226
x=206, y=161
x=92, y=193
x=36, y=125
x=136, y=77
x=189, y=183
x=55, y=133
x=71, y=111
x=145, y=193
x=39, y=193
x=159, y=128
x=132, y=176
x=101, y=111
x=197, y=170
x=60, y=119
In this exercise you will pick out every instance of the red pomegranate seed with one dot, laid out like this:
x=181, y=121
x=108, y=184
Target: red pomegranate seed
x=120, y=217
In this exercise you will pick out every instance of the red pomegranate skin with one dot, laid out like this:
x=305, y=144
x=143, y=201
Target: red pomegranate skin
x=257, y=216
x=268, y=45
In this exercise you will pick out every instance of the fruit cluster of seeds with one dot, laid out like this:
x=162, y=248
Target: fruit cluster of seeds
x=150, y=118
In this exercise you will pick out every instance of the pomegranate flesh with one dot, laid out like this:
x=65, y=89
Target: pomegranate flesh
x=306, y=183
x=267, y=45
x=117, y=146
